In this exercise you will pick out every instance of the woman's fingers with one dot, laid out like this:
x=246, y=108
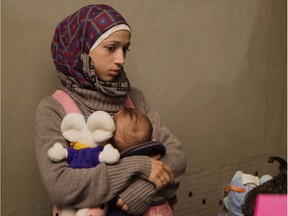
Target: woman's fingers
x=156, y=157
x=120, y=203
x=169, y=172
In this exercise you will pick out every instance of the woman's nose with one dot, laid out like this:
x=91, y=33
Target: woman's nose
x=120, y=57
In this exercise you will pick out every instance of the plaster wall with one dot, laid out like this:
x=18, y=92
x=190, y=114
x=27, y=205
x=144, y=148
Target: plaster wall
x=215, y=71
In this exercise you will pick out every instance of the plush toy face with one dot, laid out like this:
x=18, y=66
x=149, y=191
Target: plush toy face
x=98, y=129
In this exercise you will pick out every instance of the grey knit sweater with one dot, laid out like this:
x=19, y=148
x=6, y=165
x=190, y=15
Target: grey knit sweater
x=82, y=188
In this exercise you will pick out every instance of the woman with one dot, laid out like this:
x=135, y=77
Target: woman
x=89, y=49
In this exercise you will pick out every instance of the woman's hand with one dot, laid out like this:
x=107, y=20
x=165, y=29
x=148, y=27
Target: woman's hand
x=161, y=174
x=120, y=203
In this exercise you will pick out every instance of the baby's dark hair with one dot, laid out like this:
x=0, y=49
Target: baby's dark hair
x=132, y=127
x=277, y=185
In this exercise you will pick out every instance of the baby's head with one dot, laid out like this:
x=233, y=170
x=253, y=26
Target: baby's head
x=132, y=128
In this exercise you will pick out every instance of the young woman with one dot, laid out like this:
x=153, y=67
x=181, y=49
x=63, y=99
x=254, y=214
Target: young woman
x=89, y=49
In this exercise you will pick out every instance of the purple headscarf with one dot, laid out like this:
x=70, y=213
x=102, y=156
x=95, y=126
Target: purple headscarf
x=73, y=39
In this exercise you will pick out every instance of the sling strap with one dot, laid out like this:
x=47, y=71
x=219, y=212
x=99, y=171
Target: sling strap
x=129, y=103
x=66, y=101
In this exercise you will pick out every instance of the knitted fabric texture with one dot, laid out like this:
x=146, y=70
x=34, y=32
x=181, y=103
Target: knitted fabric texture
x=84, y=158
x=73, y=38
x=95, y=100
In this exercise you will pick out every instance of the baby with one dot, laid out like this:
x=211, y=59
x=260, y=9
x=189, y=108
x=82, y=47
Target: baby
x=132, y=128
x=133, y=136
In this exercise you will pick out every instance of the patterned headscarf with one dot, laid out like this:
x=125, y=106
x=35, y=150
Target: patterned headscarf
x=73, y=39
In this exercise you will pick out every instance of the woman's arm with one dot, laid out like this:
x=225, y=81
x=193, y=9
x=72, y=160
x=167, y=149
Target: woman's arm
x=79, y=187
x=174, y=157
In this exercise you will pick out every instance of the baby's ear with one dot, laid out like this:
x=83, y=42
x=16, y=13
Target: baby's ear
x=72, y=126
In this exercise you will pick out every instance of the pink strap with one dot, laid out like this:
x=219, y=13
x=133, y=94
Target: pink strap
x=66, y=101
x=271, y=204
x=97, y=211
x=129, y=103
x=159, y=210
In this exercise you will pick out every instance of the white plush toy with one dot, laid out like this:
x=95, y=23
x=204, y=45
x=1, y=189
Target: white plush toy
x=92, y=138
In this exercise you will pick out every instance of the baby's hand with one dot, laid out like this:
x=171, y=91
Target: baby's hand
x=57, y=152
x=109, y=154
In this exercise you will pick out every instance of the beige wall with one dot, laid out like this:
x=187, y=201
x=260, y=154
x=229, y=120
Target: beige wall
x=215, y=70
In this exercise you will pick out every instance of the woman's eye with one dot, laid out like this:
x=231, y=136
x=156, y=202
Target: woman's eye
x=126, y=49
x=111, y=48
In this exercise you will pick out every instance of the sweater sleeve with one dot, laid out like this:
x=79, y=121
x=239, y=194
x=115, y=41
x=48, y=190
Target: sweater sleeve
x=81, y=188
x=138, y=196
x=174, y=157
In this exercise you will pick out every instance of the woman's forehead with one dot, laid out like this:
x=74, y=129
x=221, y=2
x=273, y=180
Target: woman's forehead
x=119, y=36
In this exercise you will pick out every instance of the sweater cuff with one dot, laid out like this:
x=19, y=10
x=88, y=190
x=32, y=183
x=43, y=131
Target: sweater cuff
x=125, y=170
x=138, y=196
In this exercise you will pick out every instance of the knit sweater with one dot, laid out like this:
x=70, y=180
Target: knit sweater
x=82, y=188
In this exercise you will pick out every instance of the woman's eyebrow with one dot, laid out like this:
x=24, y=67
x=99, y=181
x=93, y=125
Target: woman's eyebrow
x=116, y=42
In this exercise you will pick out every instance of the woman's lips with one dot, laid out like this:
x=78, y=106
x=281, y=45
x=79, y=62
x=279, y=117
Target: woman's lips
x=114, y=72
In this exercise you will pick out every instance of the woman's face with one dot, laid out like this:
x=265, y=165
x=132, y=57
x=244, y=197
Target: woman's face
x=109, y=57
